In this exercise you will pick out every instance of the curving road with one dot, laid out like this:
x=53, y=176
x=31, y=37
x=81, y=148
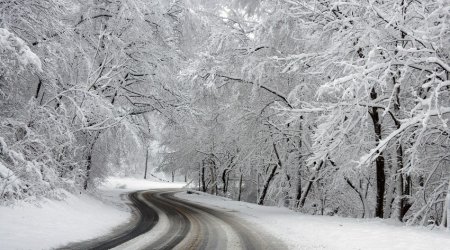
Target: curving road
x=167, y=222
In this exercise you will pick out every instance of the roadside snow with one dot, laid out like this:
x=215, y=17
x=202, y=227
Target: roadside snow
x=301, y=231
x=55, y=223
x=133, y=184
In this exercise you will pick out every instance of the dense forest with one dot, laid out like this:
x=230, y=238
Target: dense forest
x=327, y=107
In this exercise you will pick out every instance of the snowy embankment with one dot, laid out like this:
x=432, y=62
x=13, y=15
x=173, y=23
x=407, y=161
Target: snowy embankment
x=55, y=223
x=301, y=231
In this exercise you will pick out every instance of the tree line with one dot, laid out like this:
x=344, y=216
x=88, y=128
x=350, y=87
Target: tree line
x=326, y=107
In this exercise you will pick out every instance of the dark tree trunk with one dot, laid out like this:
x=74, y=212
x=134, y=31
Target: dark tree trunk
x=88, y=171
x=89, y=160
x=202, y=177
x=240, y=188
x=113, y=100
x=225, y=174
x=267, y=184
x=270, y=178
x=305, y=193
x=302, y=201
x=299, y=172
x=146, y=165
x=258, y=188
x=379, y=161
x=298, y=196
x=400, y=181
x=38, y=88
x=404, y=183
x=405, y=201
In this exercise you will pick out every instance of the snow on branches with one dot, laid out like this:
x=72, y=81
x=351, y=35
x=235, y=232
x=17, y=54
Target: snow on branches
x=16, y=49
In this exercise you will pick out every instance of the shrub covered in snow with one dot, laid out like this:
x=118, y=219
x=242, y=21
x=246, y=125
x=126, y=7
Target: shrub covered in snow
x=37, y=155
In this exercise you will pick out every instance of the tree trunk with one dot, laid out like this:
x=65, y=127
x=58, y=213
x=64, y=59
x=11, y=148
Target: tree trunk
x=406, y=195
x=267, y=184
x=257, y=187
x=404, y=191
x=360, y=195
x=391, y=201
x=213, y=180
x=379, y=161
x=89, y=160
x=404, y=187
x=88, y=171
x=38, y=88
x=445, y=222
x=146, y=164
x=299, y=188
x=312, y=179
x=225, y=181
x=202, y=177
x=240, y=188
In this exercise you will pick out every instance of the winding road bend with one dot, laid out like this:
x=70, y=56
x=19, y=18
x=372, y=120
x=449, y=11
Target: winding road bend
x=167, y=222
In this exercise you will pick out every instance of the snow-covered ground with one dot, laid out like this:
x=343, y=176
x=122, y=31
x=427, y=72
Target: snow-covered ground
x=301, y=231
x=55, y=223
x=83, y=217
x=119, y=184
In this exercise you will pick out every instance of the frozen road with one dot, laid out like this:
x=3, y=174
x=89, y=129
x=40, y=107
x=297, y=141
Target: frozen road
x=167, y=222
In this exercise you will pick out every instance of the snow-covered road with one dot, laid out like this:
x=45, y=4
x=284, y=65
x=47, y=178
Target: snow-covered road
x=168, y=222
x=308, y=232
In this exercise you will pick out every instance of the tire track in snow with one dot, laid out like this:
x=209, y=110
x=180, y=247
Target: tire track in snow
x=167, y=222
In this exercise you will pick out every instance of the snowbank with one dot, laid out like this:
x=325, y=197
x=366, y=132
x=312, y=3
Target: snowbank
x=77, y=218
x=133, y=184
x=301, y=231
x=55, y=223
